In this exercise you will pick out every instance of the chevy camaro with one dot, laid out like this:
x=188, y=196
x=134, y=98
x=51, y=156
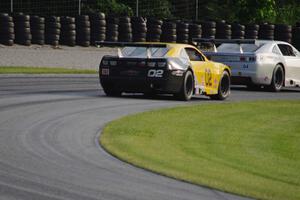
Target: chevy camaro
x=164, y=68
x=256, y=63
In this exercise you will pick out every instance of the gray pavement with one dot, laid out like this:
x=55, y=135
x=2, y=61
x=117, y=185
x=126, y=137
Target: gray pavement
x=49, y=125
x=49, y=128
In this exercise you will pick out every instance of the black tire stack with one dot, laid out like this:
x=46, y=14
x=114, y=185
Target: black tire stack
x=238, y=31
x=112, y=29
x=83, y=30
x=266, y=31
x=98, y=27
x=139, y=29
x=52, y=30
x=168, y=32
x=195, y=31
x=283, y=32
x=37, y=25
x=223, y=30
x=125, y=29
x=296, y=35
x=68, y=31
x=182, y=32
x=209, y=29
x=22, y=29
x=154, y=30
x=251, y=31
x=7, y=32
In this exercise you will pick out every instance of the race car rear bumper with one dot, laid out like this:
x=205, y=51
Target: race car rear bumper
x=169, y=83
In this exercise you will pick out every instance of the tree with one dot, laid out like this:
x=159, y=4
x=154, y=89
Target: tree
x=109, y=7
x=256, y=11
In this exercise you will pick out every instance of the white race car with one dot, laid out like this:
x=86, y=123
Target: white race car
x=256, y=63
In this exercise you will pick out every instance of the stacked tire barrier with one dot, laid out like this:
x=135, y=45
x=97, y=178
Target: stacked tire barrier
x=125, y=29
x=251, y=31
x=154, y=30
x=98, y=27
x=22, y=29
x=266, y=32
x=168, y=32
x=139, y=29
x=53, y=29
x=112, y=29
x=68, y=31
x=182, y=32
x=238, y=31
x=83, y=30
x=209, y=29
x=7, y=32
x=283, y=32
x=296, y=35
x=37, y=25
x=195, y=31
x=223, y=30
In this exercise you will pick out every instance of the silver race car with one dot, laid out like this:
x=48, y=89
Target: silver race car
x=256, y=63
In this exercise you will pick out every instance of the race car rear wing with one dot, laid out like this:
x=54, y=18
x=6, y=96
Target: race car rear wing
x=197, y=42
x=130, y=44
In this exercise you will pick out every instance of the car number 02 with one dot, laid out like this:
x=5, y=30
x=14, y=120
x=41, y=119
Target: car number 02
x=208, y=77
x=155, y=73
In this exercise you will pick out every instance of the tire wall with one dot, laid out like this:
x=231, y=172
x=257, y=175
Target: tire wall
x=52, y=30
x=85, y=30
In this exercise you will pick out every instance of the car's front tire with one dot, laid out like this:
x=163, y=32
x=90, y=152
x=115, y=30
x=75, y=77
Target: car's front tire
x=187, y=87
x=224, y=87
x=277, y=79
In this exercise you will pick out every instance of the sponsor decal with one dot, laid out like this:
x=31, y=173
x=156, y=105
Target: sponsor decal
x=105, y=72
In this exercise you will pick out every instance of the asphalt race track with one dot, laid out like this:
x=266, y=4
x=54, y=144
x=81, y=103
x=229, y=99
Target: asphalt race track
x=49, y=127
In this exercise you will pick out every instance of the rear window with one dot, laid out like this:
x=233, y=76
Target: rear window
x=141, y=52
x=235, y=48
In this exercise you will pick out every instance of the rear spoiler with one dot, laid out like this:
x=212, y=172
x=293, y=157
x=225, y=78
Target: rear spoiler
x=198, y=41
x=130, y=44
x=221, y=41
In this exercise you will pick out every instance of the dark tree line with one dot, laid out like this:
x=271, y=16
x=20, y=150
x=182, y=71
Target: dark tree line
x=244, y=11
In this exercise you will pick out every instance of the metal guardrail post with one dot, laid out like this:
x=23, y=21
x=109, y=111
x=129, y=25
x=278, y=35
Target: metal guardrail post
x=11, y=6
x=79, y=7
x=197, y=10
x=137, y=8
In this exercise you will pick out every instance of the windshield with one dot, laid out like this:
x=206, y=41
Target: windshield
x=141, y=52
x=235, y=48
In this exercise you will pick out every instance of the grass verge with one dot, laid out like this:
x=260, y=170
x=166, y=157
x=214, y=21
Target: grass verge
x=248, y=148
x=44, y=70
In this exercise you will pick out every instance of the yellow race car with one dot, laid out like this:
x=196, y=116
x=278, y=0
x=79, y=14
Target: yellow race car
x=151, y=68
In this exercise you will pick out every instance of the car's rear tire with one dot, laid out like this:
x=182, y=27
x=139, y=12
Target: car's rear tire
x=111, y=90
x=277, y=79
x=187, y=87
x=224, y=87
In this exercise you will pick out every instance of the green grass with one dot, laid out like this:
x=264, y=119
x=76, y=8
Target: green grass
x=249, y=148
x=44, y=70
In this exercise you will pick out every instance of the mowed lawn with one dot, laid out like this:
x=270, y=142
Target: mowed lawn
x=247, y=148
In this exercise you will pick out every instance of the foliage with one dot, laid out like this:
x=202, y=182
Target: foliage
x=256, y=11
x=288, y=14
x=110, y=7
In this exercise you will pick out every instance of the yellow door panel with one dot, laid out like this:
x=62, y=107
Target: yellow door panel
x=206, y=76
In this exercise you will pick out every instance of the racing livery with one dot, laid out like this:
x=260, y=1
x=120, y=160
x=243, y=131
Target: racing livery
x=169, y=68
x=256, y=63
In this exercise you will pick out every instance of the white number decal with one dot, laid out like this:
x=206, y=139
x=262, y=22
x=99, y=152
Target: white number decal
x=155, y=73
